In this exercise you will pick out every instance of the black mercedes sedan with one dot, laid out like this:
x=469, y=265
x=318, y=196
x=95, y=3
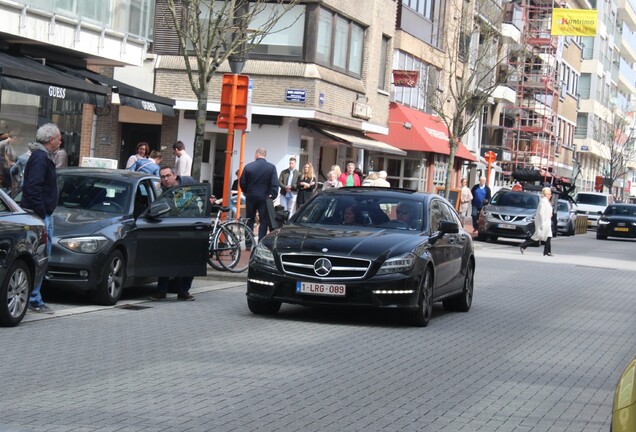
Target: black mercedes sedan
x=618, y=220
x=366, y=247
x=112, y=229
x=23, y=258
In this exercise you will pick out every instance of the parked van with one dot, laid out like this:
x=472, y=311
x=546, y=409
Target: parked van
x=592, y=205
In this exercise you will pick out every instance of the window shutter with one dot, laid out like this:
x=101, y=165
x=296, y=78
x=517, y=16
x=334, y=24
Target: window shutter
x=165, y=37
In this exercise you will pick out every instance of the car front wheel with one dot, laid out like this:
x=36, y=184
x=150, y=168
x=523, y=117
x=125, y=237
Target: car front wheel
x=14, y=297
x=600, y=236
x=111, y=285
x=422, y=316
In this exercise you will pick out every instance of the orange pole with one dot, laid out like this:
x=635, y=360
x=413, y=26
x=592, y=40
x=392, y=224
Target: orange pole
x=488, y=173
x=241, y=154
x=229, y=146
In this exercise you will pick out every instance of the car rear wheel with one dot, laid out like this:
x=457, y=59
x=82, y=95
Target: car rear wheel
x=111, y=286
x=462, y=302
x=571, y=229
x=422, y=316
x=14, y=296
x=263, y=307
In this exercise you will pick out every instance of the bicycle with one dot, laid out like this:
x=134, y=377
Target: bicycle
x=228, y=241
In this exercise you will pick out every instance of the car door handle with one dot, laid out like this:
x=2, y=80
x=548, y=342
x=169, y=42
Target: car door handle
x=199, y=226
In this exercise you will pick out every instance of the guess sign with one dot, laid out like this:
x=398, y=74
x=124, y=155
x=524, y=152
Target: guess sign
x=57, y=92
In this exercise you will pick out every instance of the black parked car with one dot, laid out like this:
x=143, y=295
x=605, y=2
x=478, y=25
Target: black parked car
x=112, y=230
x=23, y=259
x=366, y=247
x=508, y=214
x=618, y=220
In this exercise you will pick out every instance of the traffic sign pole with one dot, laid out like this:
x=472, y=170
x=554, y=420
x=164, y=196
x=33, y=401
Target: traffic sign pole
x=229, y=146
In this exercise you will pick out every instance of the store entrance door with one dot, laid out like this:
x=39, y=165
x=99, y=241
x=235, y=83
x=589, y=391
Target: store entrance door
x=134, y=133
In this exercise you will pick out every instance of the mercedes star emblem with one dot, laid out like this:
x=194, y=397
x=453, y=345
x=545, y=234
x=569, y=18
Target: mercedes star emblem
x=322, y=267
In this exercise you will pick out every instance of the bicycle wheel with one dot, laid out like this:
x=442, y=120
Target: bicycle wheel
x=213, y=259
x=227, y=248
x=246, y=241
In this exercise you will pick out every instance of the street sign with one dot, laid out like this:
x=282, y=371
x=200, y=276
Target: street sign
x=295, y=95
x=490, y=157
x=234, y=95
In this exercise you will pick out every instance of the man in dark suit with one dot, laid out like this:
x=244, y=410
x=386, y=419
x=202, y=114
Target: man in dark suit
x=259, y=182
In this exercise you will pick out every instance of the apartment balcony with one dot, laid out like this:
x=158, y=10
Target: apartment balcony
x=626, y=78
x=628, y=44
x=627, y=9
x=65, y=25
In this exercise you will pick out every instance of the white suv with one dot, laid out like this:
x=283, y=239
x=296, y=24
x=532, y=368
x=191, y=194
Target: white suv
x=592, y=204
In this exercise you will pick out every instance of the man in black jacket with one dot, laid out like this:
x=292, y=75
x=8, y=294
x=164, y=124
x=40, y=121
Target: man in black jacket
x=259, y=182
x=39, y=192
x=287, y=181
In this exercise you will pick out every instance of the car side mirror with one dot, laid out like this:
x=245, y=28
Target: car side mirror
x=156, y=210
x=447, y=227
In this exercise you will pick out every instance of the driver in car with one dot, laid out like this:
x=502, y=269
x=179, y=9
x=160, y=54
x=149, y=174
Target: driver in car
x=407, y=214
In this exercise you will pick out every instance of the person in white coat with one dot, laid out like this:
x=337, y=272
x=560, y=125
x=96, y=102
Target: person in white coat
x=542, y=224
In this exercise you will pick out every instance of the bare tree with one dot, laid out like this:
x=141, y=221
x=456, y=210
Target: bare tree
x=471, y=72
x=617, y=138
x=211, y=32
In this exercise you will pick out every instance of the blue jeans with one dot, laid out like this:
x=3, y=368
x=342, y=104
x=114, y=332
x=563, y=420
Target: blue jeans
x=475, y=215
x=36, y=297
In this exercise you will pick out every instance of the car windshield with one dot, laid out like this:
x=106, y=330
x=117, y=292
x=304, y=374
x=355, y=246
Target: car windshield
x=515, y=199
x=390, y=212
x=562, y=207
x=591, y=199
x=620, y=211
x=90, y=193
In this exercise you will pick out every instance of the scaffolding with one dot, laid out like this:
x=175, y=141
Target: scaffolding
x=530, y=134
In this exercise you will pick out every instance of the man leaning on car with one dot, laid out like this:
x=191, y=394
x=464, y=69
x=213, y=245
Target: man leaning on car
x=39, y=192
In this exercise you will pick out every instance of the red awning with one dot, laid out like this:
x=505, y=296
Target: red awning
x=410, y=129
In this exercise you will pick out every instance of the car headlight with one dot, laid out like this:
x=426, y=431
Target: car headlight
x=88, y=245
x=528, y=219
x=603, y=222
x=263, y=255
x=399, y=264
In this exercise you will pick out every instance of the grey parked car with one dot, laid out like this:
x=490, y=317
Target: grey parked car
x=508, y=214
x=566, y=217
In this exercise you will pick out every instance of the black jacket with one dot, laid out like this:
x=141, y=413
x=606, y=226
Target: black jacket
x=283, y=179
x=259, y=180
x=39, y=189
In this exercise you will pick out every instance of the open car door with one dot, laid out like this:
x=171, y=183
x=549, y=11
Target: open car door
x=173, y=233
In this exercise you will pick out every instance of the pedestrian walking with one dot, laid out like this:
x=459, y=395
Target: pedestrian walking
x=39, y=192
x=288, y=182
x=183, y=164
x=465, y=198
x=143, y=150
x=306, y=184
x=259, y=182
x=60, y=158
x=542, y=224
x=169, y=180
x=7, y=158
x=481, y=195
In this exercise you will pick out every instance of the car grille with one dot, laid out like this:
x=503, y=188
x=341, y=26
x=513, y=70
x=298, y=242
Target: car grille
x=325, y=267
x=508, y=218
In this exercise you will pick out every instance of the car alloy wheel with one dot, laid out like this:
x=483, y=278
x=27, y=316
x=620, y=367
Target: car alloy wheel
x=422, y=316
x=111, y=285
x=14, y=297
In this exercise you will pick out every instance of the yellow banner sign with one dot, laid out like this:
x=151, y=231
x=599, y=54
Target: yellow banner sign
x=574, y=22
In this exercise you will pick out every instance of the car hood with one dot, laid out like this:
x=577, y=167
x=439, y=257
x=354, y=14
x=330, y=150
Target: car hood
x=354, y=241
x=76, y=222
x=510, y=210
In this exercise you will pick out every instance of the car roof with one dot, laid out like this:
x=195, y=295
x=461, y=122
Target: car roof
x=119, y=174
x=382, y=191
x=592, y=193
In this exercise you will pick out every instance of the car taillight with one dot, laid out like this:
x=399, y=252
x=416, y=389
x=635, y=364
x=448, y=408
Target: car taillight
x=45, y=237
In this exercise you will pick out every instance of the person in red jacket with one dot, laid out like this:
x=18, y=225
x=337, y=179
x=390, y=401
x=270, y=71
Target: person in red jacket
x=349, y=178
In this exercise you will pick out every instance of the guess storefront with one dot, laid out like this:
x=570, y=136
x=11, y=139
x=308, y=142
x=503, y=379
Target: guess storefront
x=32, y=94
